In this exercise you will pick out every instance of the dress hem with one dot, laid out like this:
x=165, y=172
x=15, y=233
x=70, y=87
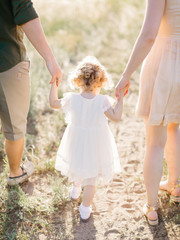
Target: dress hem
x=163, y=120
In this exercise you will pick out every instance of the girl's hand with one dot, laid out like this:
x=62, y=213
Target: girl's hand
x=121, y=94
x=124, y=83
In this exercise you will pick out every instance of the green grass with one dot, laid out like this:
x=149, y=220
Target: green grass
x=23, y=216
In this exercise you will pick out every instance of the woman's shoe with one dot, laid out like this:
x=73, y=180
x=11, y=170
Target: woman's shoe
x=147, y=210
x=173, y=191
x=85, y=212
x=75, y=192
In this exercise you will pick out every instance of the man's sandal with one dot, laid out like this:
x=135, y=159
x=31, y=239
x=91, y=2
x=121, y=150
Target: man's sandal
x=173, y=198
x=27, y=171
x=146, y=210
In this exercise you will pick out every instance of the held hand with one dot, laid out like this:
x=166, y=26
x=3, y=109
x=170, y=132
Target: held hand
x=55, y=72
x=123, y=83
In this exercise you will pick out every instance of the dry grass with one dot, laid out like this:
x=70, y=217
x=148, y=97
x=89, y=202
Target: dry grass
x=106, y=29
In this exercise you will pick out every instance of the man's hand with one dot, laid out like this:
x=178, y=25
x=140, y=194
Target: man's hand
x=55, y=72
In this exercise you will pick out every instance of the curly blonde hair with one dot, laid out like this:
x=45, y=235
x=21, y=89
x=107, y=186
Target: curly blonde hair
x=90, y=75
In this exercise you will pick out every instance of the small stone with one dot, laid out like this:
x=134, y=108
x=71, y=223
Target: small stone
x=42, y=237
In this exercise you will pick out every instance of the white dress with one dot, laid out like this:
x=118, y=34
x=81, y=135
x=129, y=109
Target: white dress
x=87, y=151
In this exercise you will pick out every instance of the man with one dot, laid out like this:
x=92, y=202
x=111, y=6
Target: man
x=17, y=16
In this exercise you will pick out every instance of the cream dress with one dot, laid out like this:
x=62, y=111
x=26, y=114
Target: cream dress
x=159, y=96
x=87, y=152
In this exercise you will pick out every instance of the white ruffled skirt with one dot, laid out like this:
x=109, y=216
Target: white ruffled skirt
x=88, y=155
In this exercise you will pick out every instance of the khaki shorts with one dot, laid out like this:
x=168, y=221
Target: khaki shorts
x=14, y=100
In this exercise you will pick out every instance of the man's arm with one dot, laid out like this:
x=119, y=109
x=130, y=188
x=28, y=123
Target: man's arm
x=36, y=36
x=26, y=16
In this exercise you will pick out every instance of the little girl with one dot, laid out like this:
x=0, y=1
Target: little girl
x=87, y=152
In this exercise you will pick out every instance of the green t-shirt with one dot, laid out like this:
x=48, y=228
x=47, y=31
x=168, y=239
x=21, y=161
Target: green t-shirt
x=13, y=13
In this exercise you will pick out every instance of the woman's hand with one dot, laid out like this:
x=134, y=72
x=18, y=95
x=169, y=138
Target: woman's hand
x=124, y=83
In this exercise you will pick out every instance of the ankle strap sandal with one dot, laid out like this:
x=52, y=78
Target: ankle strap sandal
x=147, y=209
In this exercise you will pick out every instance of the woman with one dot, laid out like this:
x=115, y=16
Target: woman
x=159, y=98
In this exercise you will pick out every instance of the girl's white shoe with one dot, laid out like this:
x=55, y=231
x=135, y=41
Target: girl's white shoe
x=75, y=192
x=85, y=212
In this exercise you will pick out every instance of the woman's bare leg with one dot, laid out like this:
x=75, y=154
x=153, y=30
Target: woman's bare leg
x=172, y=152
x=153, y=163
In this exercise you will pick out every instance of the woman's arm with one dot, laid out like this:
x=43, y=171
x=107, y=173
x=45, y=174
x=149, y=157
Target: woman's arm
x=115, y=113
x=144, y=42
x=53, y=97
x=35, y=34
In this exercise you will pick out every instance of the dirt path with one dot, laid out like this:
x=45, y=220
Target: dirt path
x=117, y=209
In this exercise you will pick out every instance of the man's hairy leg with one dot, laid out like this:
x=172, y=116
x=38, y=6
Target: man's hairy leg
x=14, y=151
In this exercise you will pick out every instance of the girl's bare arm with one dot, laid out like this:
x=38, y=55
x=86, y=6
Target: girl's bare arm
x=53, y=97
x=115, y=113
